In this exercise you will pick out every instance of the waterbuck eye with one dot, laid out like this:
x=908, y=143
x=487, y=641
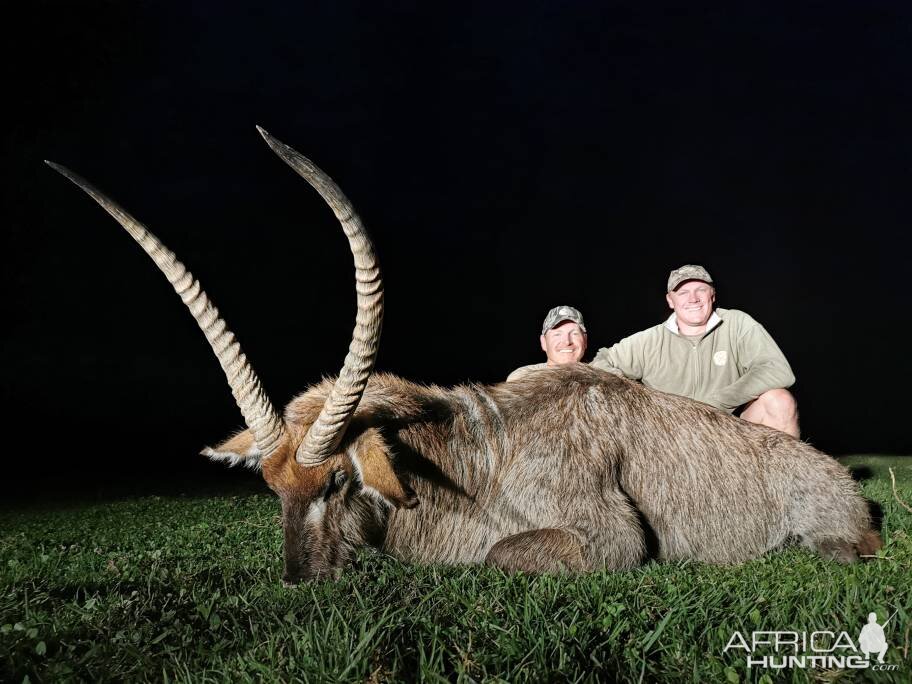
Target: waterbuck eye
x=335, y=483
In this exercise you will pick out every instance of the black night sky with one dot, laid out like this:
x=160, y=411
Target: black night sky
x=506, y=157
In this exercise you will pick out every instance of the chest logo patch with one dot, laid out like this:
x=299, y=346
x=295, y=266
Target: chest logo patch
x=720, y=358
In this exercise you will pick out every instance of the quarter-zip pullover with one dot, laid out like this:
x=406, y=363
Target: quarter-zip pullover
x=735, y=361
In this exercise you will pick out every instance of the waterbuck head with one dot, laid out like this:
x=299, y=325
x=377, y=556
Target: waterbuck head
x=335, y=487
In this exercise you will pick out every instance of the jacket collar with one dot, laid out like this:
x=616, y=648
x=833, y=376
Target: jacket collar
x=714, y=320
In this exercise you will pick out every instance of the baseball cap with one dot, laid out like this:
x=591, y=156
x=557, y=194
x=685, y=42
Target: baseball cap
x=559, y=314
x=688, y=272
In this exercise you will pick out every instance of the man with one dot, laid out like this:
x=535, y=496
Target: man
x=721, y=357
x=563, y=339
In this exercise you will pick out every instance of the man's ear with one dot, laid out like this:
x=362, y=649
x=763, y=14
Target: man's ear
x=671, y=304
x=370, y=456
x=239, y=449
x=541, y=339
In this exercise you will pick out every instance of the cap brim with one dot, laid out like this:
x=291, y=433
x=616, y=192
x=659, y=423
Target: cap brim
x=684, y=280
x=561, y=320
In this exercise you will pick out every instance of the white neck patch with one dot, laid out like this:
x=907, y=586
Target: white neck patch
x=672, y=323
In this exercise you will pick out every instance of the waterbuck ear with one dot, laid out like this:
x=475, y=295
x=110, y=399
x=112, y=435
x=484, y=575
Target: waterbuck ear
x=237, y=450
x=370, y=455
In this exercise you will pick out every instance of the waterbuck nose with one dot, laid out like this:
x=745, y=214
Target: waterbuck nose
x=293, y=574
x=293, y=578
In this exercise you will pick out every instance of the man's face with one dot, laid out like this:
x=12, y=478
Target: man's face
x=564, y=343
x=692, y=302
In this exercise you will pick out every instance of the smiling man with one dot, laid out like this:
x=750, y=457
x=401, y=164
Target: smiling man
x=721, y=357
x=563, y=339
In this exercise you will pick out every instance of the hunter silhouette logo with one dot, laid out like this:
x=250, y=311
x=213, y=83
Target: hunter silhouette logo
x=824, y=649
x=872, y=639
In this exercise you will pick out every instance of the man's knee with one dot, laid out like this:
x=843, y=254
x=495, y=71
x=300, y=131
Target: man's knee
x=779, y=403
x=775, y=408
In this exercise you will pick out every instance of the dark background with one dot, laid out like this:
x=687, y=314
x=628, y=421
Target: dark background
x=507, y=157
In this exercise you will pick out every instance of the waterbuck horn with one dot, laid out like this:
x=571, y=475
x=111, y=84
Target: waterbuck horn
x=325, y=434
x=265, y=424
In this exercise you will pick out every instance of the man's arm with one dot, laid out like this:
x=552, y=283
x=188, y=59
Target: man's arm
x=763, y=367
x=624, y=358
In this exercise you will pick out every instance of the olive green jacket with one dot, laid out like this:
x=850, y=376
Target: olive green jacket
x=734, y=362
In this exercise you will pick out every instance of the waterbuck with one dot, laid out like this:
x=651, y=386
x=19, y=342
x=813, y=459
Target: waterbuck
x=567, y=469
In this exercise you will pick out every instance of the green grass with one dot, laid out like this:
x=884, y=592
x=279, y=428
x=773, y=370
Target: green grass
x=188, y=589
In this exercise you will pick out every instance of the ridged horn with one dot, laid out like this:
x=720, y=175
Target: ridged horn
x=325, y=434
x=265, y=424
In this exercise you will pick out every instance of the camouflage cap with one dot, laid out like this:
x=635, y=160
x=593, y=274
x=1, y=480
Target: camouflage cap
x=559, y=314
x=688, y=272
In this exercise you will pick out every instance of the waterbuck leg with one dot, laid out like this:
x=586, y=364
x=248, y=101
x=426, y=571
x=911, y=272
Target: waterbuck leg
x=545, y=550
x=842, y=552
x=870, y=544
x=845, y=552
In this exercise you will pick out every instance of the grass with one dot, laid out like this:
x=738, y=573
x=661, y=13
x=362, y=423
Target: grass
x=188, y=589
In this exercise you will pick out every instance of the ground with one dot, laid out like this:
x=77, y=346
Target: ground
x=188, y=588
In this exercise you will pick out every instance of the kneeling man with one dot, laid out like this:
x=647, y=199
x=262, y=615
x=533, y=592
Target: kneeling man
x=721, y=357
x=563, y=339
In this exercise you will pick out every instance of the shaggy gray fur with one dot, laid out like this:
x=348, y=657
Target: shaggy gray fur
x=578, y=469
